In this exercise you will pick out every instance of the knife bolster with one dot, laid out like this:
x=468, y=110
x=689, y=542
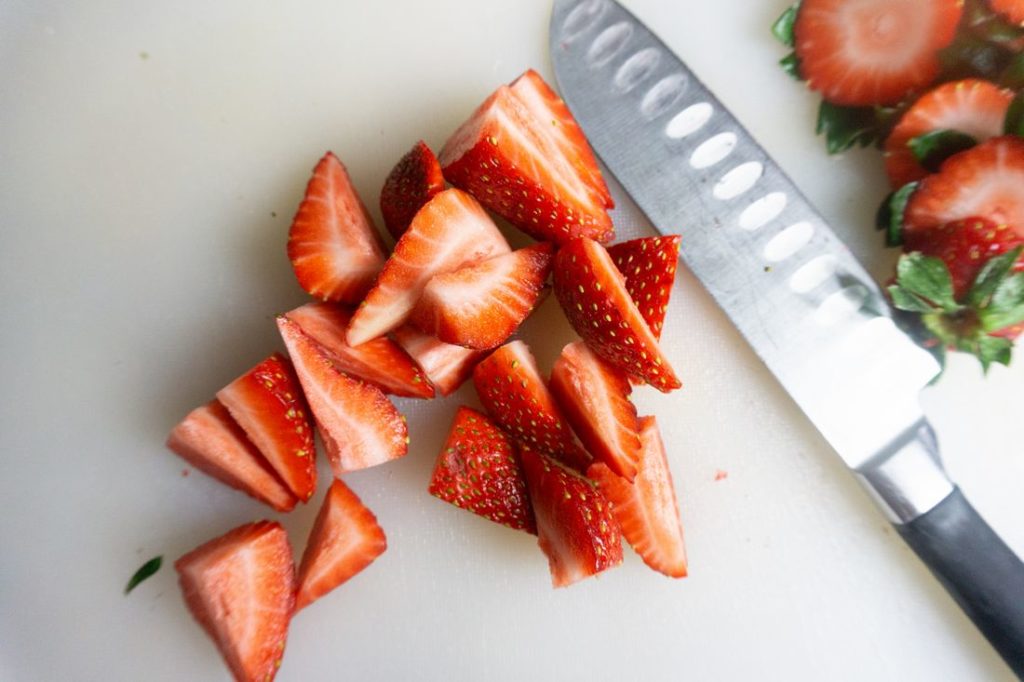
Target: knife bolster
x=907, y=479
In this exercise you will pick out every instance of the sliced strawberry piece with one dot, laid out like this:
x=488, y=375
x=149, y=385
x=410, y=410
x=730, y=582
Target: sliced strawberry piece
x=481, y=305
x=594, y=396
x=974, y=107
x=414, y=180
x=649, y=268
x=240, y=588
x=380, y=362
x=1013, y=10
x=334, y=248
x=210, y=440
x=557, y=121
x=514, y=394
x=965, y=246
x=985, y=181
x=446, y=365
x=502, y=157
x=866, y=52
x=478, y=470
x=593, y=295
x=267, y=403
x=646, y=509
x=450, y=232
x=575, y=525
x=345, y=539
x=359, y=425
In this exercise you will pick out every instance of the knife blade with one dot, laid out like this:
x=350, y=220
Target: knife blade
x=806, y=306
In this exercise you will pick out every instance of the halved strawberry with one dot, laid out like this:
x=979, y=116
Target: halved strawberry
x=593, y=295
x=575, y=525
x=515, y=396
x=267, y=403
x=1013, y=10
x=414, y=180
x=972, y=107
x=359, y=425
x=450, y=232
x=210, y=440
x=446, y=365
x=867, y=52
x=345, y=539
x=478, y=469
x=649, y=266
x=646, y=509
x=504, y=157
x=985, y=181
x=481, y=305
x=240, y=588
x=334, y=248
x=380, y=362
x=594, y=396
x=558, y=123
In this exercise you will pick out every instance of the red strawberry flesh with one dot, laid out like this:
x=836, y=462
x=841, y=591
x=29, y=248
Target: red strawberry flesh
x=414, y=180
x=648, y=266
x=447, y=366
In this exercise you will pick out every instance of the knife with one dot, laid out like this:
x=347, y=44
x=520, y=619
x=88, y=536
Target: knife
x=806, y=306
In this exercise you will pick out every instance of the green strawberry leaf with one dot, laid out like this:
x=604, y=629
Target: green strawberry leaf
x=846, y=127
x=147, y=570
x=992, y=274
x=890, y=214
x=928, y=278
x=991, y=349
x=1013, y=124
x=1007, y=306
x=1012, y=76
x=791, y=65
x=932, y=148
x=782, y=29
x=904, y=299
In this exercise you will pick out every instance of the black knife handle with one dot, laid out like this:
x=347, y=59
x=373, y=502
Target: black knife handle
x=976, y=567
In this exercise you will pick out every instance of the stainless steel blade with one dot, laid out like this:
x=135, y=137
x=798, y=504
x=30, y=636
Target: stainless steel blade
x=809, y=310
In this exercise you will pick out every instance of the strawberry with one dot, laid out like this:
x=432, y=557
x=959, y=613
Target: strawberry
x=414, y=180
x=359, y=425
x=649, y=268
x=595, y=399
x=446, y=365
x=450, y=232
x=478, y=469
x=575, y=525
x=210, y=440
x=380, y=362
x=967, y=283
x=345, y=539
x=267, y=403
x=1012, y=10
x=515, y=396
x=985, y=181
x=481, y=305
x=972, y=107
x=505, y=157
x=868, y=52
x=646, y=509
x=240, y=589
x=334, y=248
x=592, y=292
x=557, y=121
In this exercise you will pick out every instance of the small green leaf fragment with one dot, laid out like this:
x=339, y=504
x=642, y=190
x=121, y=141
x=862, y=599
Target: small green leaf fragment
x=1012, y=76
x=928, y=278
x=782, y=29
x=1007, y=306
x=908, y=300
x=990, y=350
x=791, y=65
x=991, y=276
x=932, y=148
x=846, y=127
x=894, y=212
x=1013, y=124
x=146, y=571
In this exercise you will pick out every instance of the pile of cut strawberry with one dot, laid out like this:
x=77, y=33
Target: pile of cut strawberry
x=566, y=458
x=936, y=85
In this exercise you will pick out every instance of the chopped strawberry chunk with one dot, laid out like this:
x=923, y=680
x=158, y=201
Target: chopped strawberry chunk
x=240, y=589
x=414, y=180
x=380, y=362
x=359, y=425
x=450, y=232
x=1013, y=10
x=334, y=248
x=446, y=365
x=482, y=305
x=267, y=403
x=575, y=525
x=594, y=396
x=210, y=440
x=514, y=394
x=646, y=509
x=345, y=539
x=648, y=266
x=478, y=470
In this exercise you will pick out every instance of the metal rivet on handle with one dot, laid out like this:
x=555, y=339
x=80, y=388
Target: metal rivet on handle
x=738, y=180
x=713, y=150
x=789, y=241
x=763, y=210
x=663, y=95
x=608, y=43
x=689, y=120
x=637, y=68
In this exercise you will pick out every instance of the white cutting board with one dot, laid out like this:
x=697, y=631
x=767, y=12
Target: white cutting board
x=151, y=156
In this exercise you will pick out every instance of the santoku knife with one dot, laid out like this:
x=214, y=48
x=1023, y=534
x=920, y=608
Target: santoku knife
x=810, y=311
